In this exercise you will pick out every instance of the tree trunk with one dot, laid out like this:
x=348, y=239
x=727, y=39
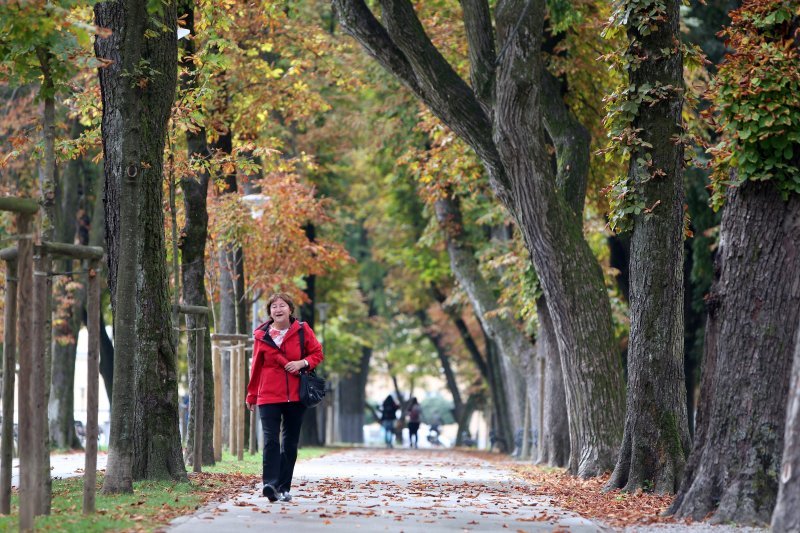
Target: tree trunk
x=503, y=124
x=352, y=398
x=442, y=353
x=656, y=437
x=62, y=390
x=554, y=447
x=144, y=439
x=511, y=342
x=97, y=238
x=786, y=518
x=43, y=294
x=753, y=315
x=194, y=236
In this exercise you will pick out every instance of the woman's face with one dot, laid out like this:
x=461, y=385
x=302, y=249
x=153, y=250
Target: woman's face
x=279, y=310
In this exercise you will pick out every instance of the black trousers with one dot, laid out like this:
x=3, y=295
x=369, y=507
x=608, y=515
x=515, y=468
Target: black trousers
x=281, y=423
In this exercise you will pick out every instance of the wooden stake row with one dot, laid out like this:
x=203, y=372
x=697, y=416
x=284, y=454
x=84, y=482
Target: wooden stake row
x=236, y=345
x=26, y=314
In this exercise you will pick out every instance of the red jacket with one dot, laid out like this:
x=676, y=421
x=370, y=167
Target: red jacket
x=269, y=381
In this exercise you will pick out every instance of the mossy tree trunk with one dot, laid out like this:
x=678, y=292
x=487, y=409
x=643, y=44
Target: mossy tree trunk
x=753, y=316
x=138, y=87
x=656, y=437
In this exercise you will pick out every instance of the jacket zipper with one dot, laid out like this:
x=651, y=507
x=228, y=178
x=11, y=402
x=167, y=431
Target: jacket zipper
x=286, y=373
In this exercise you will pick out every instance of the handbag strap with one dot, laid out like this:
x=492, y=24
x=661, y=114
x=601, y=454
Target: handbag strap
x=302, y=334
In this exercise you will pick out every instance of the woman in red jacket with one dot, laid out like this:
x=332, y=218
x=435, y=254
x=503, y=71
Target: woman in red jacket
x=275, y=387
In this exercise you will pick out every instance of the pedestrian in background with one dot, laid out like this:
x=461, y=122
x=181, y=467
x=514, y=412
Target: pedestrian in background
x=388, y=417
x=414, y=419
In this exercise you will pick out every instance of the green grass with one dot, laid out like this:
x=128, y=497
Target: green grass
x=251, y=464
x=152, y=503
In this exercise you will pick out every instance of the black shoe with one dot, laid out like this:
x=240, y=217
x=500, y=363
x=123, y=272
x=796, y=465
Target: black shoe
x=285, y=497
x=270, y=492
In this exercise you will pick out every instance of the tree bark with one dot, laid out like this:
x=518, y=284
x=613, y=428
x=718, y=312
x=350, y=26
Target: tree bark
x=656, y=437
x=352, y=398
x=194, y=236
x=43, y=294
x=510, y=142
x=554, y=444
x=144, y=443
x=62, y=390
x=786, y=518
x=753, y=315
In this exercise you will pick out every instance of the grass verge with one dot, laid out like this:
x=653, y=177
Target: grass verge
x=152, y=504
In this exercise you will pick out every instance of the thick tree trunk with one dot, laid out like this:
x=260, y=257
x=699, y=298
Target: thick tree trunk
x=786, y=518
x=753, y=315
x=554, y=445
x=568, y=272
x=507, y=133
x=194, y=236
x=144, y=439
x=656, y=437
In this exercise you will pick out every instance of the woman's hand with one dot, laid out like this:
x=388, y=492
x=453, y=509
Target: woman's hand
x=250, y=406
x=294, y=367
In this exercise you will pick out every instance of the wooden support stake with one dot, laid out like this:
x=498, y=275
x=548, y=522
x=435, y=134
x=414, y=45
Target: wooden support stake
x=240, y=404
x=216, y=359
x=234, y=397
x=197, y=400
x=9, y=373
x=92, y=398
x=253, y=415
x=27, y=503
x=40, y=471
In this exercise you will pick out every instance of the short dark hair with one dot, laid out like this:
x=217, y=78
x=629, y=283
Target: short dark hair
x=280, y=296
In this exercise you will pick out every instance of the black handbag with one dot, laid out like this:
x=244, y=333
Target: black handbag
x=312, y=387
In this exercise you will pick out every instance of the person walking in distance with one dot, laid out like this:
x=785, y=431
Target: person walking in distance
x=414, y=419
x=275, y=388
x=388, y=416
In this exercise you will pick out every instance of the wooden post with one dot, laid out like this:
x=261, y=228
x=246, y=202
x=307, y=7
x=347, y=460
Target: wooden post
x=9, y=373
x=93, y=379
x=234, y=376
x=38, y=409
x=27, y=502
x=240, y=404
x=197, y=400
x=253, y=413
x=217, y=362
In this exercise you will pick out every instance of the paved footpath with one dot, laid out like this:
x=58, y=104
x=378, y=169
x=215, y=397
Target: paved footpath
x=397, y=490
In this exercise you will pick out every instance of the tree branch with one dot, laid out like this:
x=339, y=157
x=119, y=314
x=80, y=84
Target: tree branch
x=571, y=140
x=480, y=38
x=404, y=49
